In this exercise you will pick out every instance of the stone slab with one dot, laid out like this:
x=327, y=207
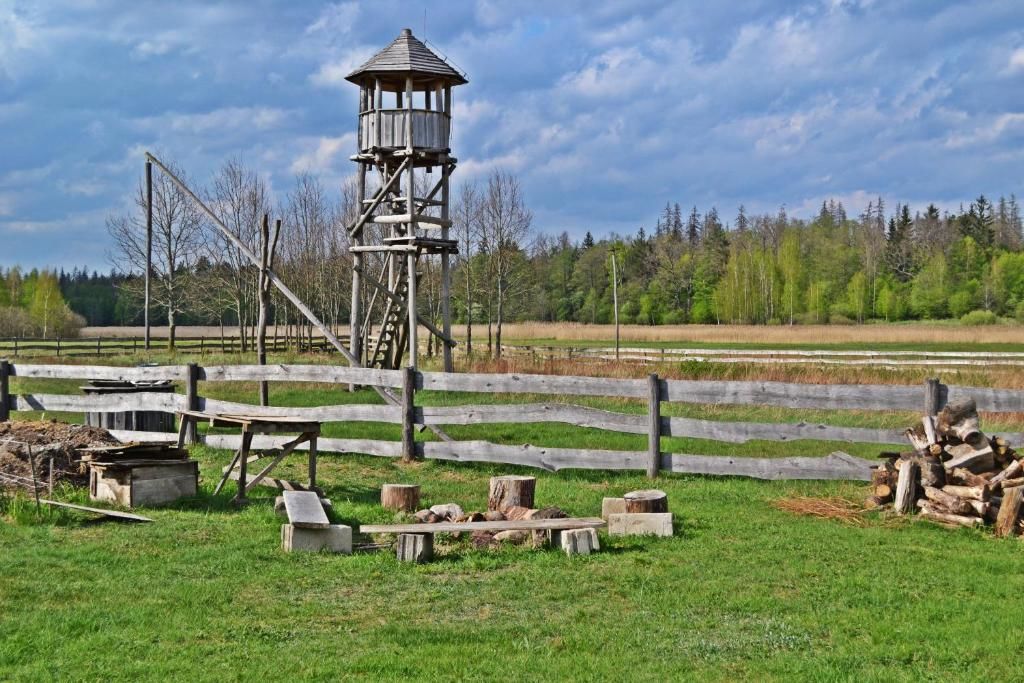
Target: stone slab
x=279, y=505
x=304, y=510
x=611, y=506
x=575, y=541
x=336, y=538
x=640, y=524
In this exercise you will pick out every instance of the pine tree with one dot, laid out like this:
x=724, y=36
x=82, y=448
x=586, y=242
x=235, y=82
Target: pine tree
x=588, y=241
x=742, y=222
x=693, y=227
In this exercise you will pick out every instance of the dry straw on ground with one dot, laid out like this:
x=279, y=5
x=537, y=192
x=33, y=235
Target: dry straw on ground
x=839, y=509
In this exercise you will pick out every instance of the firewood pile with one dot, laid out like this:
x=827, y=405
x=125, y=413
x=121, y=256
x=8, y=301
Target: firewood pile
x=52, y=445
x=955, y=475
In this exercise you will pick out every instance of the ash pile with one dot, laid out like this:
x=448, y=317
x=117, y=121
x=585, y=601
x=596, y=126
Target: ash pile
x=955, y=475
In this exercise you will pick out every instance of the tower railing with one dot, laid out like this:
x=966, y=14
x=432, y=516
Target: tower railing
x=430, y=129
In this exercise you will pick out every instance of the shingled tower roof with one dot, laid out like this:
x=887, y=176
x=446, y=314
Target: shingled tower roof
x=406, y=54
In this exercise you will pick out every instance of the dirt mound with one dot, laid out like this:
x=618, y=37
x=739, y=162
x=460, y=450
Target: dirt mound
x=47, y=440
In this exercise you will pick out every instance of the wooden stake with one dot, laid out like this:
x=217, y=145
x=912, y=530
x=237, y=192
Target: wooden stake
x=408, y=414
x=5, y=390
x=192, y=401
x=654, y=426
x=906, y=488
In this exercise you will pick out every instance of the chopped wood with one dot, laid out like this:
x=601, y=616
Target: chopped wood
x=947, y=502
x=959, y=420
x=972, y=492
x=1011, y=483
x=1011, y=471
x=929, y=512
x=966, y=478
x=906, y=488
x=932, y=471
x=1009, y=512
x=966, y=456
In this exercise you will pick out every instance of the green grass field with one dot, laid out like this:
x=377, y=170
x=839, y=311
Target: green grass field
x=744, y=590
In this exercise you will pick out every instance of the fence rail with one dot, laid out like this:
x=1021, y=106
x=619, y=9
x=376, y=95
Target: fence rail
x=654, y=391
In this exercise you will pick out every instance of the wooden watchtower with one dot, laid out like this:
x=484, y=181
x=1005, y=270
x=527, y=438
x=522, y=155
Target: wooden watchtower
x=405, y=106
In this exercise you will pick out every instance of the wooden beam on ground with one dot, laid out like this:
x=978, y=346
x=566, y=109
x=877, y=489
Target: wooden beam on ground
x=117, y=514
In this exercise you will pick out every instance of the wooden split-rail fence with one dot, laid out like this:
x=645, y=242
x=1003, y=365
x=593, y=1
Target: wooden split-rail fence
x=653, y=390
x=79, y=347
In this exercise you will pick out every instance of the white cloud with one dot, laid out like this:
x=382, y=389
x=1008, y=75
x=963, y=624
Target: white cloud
x=227, y=119
x=1016, y=62
x=321, y=156
x=332, y=73
x=335, y=19
x=6, y=204
x=988, y=132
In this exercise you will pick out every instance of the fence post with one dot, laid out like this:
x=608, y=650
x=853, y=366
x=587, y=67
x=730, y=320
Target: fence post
x=192, y=401
x=58, y=347
x=654, y=425
x=5, y=390
x=408, y=414
x=932, y=396
x=99, y=352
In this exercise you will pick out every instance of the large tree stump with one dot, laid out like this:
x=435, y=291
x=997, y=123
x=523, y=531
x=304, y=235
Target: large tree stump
x=511, y=491
x=1009, y=512
x=415, y=547
x=651, y=500
x=906, y=488
x=401, y=497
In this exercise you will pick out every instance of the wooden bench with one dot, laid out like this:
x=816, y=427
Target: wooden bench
x=416, y=541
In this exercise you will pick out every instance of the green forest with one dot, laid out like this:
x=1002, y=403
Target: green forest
x=692, y=267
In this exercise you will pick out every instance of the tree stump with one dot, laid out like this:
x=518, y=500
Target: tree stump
x=511, y=491
x=651, y=500
x=415, y=547
x=401, y=497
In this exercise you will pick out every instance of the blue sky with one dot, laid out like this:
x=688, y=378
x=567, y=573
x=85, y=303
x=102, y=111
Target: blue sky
x=606, y=110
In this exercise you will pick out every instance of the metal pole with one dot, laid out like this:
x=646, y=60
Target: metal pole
x=149, y=240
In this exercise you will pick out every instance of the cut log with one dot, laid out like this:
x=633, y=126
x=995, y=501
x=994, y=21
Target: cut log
x=963, y=477
x=947, y=502
x=906, y=488
x=400, y=497
x=1009, y=512
x=929, y=512
x=972, y=492
x=1011, y=471
x=932, y=471
x=917, y=438
x=1012, y=483
x=972, y=459
x=651, y=500
x=510, y=491
x=883, y=494
x=928, y=422
x=415, y=547
x=959, y=420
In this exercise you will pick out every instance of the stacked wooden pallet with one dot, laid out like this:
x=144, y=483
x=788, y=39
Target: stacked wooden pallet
x=955, y=475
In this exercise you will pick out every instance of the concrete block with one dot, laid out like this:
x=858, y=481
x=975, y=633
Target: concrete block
x=611, y=506
x=640, y=524
x=415, y=547
x=337, y=538
x=575, y=541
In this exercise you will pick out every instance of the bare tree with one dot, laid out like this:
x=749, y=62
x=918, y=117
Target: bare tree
x=177, y=245
x=239, y=197
x=466, y=225
x=506, y=224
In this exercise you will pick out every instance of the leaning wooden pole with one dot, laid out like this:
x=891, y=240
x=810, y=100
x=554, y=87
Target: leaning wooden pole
x=281, y=286
x=149, y=245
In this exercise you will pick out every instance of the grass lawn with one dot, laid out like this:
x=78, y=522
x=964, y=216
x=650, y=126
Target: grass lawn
x=743, y=591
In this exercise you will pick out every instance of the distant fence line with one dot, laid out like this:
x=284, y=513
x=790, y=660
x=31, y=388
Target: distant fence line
x=101, y=346
x=653, y=390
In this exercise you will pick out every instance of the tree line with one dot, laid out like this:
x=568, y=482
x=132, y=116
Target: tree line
x=691, y=266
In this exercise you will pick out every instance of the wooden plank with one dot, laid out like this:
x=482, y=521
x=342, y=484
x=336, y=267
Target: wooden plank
x=333, y=374
x=99, y=511
x=836, y=466
x=579, y=416
x=532, y=384
x=455, y=527
x=99, y=403
x=791, y=395
x=104, y=372
x=550, y=459
x=391, y=414
x=741, y=432
x=989, y=400
x=304, y=510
